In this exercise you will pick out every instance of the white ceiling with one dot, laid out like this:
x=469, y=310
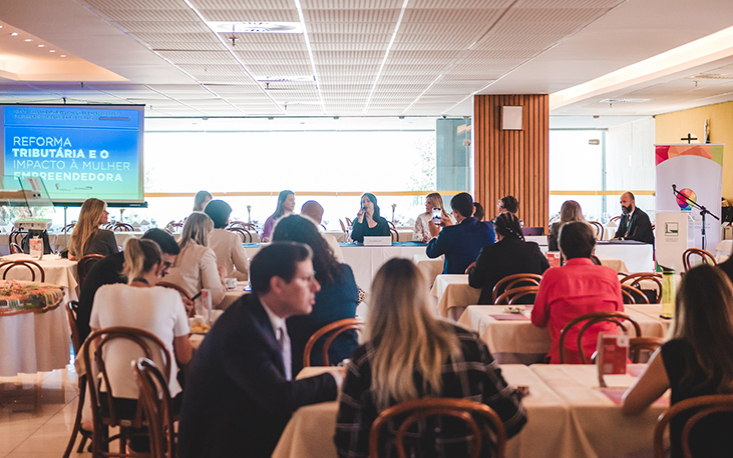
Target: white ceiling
x=369, y=57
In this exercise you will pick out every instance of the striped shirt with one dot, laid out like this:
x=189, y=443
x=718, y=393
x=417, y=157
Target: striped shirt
x=474, y=376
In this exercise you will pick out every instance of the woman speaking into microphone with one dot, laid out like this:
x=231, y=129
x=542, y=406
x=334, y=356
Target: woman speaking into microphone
x=368, y=222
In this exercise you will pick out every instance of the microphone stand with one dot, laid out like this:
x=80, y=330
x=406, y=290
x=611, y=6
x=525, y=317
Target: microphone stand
x=702, y=209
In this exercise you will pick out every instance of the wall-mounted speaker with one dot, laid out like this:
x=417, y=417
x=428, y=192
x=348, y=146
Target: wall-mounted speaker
x=511, y=118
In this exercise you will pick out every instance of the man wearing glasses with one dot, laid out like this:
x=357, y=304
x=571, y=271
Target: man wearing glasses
x=108, y=271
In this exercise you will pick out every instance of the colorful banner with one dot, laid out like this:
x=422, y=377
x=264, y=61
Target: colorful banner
x=697, y=172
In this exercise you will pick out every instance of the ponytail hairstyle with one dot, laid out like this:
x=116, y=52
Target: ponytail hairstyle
x=141, y=255
x=507, y=225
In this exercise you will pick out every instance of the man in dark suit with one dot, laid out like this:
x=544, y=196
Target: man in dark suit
x=634, y=223
x=108, y=271
x=240, y=394
x=462, y=242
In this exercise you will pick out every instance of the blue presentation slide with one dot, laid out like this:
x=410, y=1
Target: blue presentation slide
x=79, y=152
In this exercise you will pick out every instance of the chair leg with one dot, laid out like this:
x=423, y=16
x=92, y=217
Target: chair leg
x=77, y=421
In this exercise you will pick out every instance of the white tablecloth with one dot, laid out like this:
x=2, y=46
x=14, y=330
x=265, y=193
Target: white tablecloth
x=454, y=294
x=61, y=272
x=519, y=341
x=431, y=268
x=567, y=416
x=638, y=257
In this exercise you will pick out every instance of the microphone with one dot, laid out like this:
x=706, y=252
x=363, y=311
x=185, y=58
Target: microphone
x=674, y=187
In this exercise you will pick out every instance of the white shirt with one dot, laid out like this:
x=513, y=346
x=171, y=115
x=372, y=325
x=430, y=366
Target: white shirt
x=157, y=310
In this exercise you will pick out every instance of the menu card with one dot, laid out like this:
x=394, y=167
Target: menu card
x=612, y=353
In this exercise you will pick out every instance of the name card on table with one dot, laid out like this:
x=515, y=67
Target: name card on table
x=378, y=240
x=612, y=353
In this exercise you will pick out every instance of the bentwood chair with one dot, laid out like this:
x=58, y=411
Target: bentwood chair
x=512, y=296
x=591, y=319
x=598, y=227
x=643, y=346
x=615, y=219
x=85, y=265
x=71, y=310
x=697, y=409
x=513, y=281
x=707, y=258
x=332, y=330
x=633, y=295
x=244, y=233
x=157, y=406
x=104, y=409
x=343, y=227
x=7, y=265
x=491, y=431
x=650, y=279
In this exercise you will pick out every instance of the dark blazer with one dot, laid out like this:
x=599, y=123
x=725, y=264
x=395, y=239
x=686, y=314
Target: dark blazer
x=106, y=271
x=507, y=257
x=335, y=301
x=461, y=244
x=236, y=400
x=641, y=227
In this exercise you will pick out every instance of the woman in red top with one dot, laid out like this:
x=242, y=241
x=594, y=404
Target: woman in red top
x=577, y=288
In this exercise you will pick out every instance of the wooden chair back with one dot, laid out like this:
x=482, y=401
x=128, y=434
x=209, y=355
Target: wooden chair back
x=14, y=242
x=183, y=292
x=71, y=312
x=333, y=330
x=614, y=219
x=244, y=233
x=348, y=221
x=633, y=295
x=512, y=281
x=85, y=265
x=243, y=225
x=707, y=258
x=703, y=406
x=394, y=234
x=593, y=318
x=598, y=227
x=122, y=227
x=15, y=248
x=93, y=354
x=641, y=345
x=158, y=408
x=343, y=227
x=7, y=265
x=461, y=409
x=512, y=296
x=68, y=227
x=648, y=277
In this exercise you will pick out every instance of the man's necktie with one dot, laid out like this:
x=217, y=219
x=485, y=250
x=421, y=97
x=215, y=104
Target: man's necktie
x=628, y=226
x=283, y=339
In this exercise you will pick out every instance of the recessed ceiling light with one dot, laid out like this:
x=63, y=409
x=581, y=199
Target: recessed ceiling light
x=62, y=55
x=41, y=46
x=14, y=34
x=27, y=39
x=51, y=50
x=255, y=27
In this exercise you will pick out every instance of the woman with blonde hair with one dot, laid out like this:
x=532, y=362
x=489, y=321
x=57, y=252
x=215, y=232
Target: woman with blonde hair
x=697, y=361
x=421, y=233
x=196, y=267
x=410, y=355
x=570, y=211
x=143, y=305
x=87, y=237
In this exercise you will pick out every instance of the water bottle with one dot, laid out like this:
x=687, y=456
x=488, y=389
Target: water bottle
x=669, y=292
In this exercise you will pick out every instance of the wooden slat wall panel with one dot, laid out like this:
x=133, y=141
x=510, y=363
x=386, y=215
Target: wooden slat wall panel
x=513, y=162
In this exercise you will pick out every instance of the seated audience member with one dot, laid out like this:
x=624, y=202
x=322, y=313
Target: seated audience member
x=422, y=233
x=109, y=271
x=87, y=237
x=570, y=211
x=195, y=267
x=285, y=206
x=508, y=256
x=140, y=304
x=240, y=392
x=461, y=243
x=508, y=204
x=314, y=211
x=412, y=355
x=201, y=199
x=478, y=211
x=226, y=245
x=697, y=361
x=368, y=222
x=336, y=300
x=577, y=288
x=634, y=224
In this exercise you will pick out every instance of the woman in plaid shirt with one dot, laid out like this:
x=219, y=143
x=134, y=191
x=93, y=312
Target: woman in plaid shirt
x=411, y=355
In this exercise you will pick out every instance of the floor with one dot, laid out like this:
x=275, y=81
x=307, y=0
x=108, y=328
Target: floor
x=37, y=413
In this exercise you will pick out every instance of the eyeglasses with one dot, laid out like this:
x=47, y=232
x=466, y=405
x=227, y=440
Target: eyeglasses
x=308, y=279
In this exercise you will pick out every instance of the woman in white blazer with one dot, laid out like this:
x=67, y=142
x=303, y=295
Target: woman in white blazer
x=227, y=245
x=196, y=267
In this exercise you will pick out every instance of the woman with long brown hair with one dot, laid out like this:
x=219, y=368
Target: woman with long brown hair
x=411, y=354
x=87, y=237
x=697, y=361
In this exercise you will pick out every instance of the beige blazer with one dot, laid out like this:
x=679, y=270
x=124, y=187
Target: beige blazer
x=229, y=253
x=195, y=269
